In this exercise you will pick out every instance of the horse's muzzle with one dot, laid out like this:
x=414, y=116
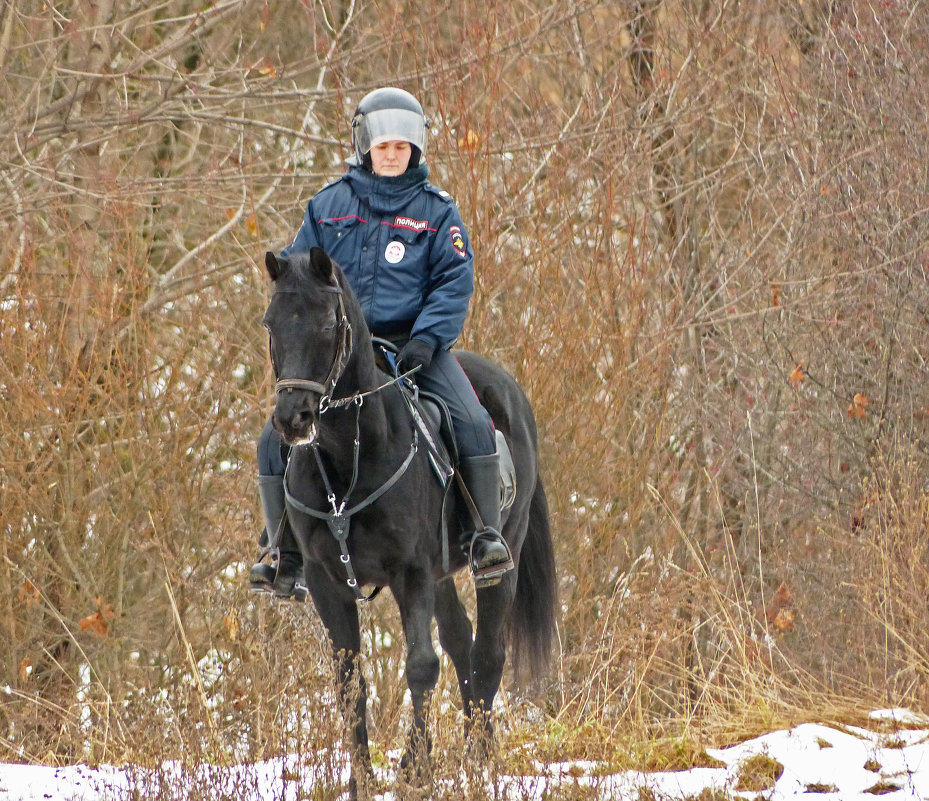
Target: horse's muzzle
x=296, y=419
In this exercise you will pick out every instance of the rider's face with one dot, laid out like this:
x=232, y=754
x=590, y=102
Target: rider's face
x=390, y=158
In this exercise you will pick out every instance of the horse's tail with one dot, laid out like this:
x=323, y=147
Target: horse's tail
x=532, y=624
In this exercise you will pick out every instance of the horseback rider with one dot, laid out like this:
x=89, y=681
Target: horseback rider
x=401, y=244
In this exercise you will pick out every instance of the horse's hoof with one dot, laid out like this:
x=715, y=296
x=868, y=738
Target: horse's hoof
x=481, y=744
x=417, y=775
x=481, y=749
x=416, y=766
x=361, y=786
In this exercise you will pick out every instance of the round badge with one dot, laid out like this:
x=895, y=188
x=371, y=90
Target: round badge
x=394, y=252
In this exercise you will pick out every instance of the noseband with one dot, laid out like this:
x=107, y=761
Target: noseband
x=343, y=351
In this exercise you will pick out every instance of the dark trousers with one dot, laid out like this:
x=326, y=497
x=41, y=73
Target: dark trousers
x=474, y=430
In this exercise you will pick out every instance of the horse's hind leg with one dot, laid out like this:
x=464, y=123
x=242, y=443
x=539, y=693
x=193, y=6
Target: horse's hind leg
x=455, y=636
x=489, y=652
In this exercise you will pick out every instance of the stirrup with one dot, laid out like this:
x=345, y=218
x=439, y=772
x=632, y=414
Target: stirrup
x=263, y=579
x=298, y=594
x=492, y=574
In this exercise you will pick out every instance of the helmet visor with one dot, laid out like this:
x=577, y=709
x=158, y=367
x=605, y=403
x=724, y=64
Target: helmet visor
x=390, y=125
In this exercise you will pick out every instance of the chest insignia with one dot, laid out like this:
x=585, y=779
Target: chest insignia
x=394, y=253
x=410, y=223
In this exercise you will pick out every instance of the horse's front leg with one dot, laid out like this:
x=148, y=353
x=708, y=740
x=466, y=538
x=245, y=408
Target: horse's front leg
x=415, y=596
x=339, y=614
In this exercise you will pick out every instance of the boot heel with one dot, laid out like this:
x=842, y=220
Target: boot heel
x=262, y=574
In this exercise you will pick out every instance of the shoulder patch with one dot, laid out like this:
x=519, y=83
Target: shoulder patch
x=458, y=243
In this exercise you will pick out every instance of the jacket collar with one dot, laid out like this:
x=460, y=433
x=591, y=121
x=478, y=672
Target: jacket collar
x=386, y=193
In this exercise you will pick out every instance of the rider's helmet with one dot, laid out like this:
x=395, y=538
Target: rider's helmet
x=386, y=115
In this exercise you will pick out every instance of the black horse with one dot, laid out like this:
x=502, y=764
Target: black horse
x=368, y=510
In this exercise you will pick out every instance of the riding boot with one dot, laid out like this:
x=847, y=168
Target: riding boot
x=488, y=553
x=282, y=576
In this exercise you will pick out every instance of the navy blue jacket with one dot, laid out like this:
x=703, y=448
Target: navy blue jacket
x=401, y=243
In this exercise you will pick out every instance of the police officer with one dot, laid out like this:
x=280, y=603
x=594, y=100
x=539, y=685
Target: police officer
x=401, y=244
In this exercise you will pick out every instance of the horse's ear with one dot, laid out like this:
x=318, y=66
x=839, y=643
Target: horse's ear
x=322, y=264
x=272, y=266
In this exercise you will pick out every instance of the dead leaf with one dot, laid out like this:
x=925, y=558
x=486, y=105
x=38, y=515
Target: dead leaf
x=265, y=67
x=783, y=621
x=95, y=624
x=29, y=594
x=105, y=609
x=779, y=614
x=231, y=622
x=775, y=293
x=470, y=141
x=782, y=598
x=858, y=405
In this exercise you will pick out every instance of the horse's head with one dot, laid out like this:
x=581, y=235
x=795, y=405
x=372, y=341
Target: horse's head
x=310, y=340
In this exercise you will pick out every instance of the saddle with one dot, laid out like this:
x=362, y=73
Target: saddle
x=433, y=419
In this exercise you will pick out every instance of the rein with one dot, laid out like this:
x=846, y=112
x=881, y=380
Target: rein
x=360, y=396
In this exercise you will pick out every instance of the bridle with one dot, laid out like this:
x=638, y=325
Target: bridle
x=343, y=351
x=339, y=361
x=338, y=518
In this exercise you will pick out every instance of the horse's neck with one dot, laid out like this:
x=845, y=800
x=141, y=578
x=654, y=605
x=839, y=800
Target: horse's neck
x=361, y=374
x=360, y=384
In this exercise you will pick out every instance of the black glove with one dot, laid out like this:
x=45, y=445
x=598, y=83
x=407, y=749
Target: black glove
x=415, y=353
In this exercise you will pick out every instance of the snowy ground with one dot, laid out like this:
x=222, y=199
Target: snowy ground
x=820, y=762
